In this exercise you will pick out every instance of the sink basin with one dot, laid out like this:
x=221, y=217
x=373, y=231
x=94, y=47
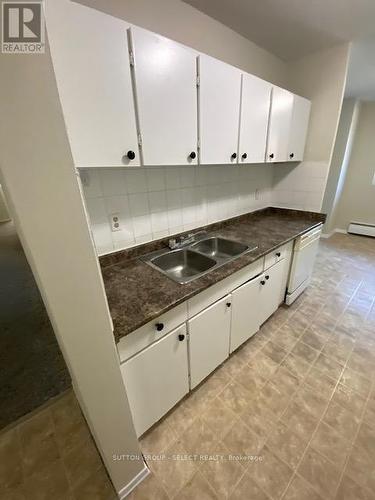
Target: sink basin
x=219, y=248
x=182, y=265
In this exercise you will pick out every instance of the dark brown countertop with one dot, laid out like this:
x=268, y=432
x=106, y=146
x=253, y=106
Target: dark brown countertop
x=137, y=293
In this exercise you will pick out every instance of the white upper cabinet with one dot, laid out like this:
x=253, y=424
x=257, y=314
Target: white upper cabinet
x=255, y=109
x=279, y=125
x=298, y=129
x=219, y=107
x=90, y=57
x=165, y=75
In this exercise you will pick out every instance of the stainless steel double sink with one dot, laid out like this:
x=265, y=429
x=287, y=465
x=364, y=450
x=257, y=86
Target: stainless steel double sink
x=196, y=259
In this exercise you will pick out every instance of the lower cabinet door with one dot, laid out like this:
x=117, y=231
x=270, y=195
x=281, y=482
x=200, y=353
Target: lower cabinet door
x=157, y=378
x=209, y=333
x=245, y=312
x=270, y=290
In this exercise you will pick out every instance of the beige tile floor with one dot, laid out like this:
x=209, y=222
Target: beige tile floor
x=297, y=400
x=51, y=456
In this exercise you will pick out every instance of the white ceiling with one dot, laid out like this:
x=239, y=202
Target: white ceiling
x=294, y=28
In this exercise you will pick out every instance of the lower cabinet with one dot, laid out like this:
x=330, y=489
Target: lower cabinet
x=270, y=290
x=245, y=312
x=157, y=378
x=209, y=334
x=156, y=372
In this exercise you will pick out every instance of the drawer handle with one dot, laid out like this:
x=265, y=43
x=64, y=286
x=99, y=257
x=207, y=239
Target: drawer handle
x=229, y=304
x=278, y=254
x=267, y=277
x=262, y=282
x=181, y=337
x=159, y=326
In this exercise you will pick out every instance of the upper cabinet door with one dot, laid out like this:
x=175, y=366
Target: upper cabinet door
x=279, y=125
x=91, y=62
x=165, y=75
x=298, y=129
x=219, y=107
x=255, y=109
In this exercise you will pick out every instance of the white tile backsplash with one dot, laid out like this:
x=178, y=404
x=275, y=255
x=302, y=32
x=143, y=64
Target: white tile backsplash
x=300, y=186
x=156, y=202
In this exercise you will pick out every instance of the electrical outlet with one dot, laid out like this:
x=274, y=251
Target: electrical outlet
x=115, y=222
x=257, y=194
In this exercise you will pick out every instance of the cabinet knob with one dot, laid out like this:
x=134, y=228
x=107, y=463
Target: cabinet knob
x=272, y=155
x=291, y=155
x=234, y=156
x=278, y=254
x=262, y=282
x=229, y=304
x=181, y=337
x=244, y=156
x=267, y=277
x=159, y=326
x=130, y=155
x=193, y=155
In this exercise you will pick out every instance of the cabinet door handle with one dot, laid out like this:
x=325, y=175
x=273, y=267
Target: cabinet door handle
x=193, y=155
x=234, y=156
x=278, y=254
x=228, y=304
x=272, y=155
x=291, y=155
x=244, y=156
x=263, y=282
x=267, y=277
x=181, y=337
x=159, y=326
x=130, y=155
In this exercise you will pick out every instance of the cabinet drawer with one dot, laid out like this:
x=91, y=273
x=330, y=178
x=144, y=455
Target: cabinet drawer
x=149, y=333
x=276, y=255
x=204, y=299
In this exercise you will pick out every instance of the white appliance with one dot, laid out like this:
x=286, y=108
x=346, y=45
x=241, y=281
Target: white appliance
x=304, y=253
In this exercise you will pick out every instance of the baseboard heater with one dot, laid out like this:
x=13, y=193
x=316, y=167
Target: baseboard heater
x=362, y=229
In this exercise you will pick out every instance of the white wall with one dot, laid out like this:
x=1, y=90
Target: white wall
x=156, y=202
x=340, y=161
x=4, y=214
x=185, y=24
x=357, y=202
x=37, y=174
x=320, y=77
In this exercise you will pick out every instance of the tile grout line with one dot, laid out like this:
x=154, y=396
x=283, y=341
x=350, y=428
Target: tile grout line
x=352, y=444
x=321, y=418
x=269, y=380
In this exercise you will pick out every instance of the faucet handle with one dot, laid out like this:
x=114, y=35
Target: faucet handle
x=172, y=243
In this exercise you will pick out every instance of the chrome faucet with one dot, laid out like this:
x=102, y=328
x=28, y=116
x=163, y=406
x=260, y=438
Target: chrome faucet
x=184, y=240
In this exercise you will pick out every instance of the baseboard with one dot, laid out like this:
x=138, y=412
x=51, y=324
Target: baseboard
x=328, y=235
x=126, y=490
